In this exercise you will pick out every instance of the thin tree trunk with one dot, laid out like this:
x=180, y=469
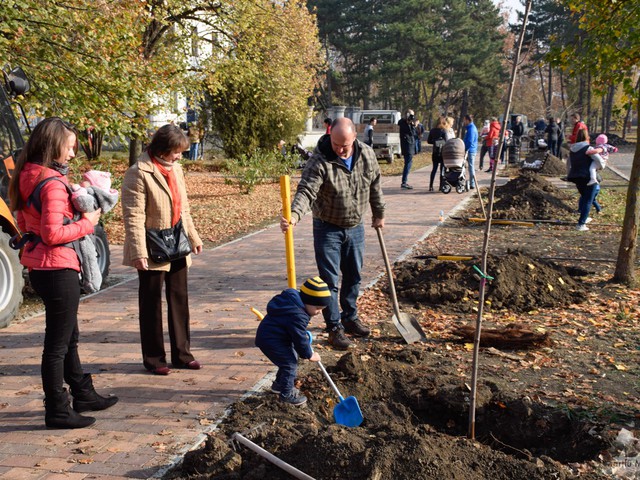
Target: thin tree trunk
x=603, y=106
x=542, y=87
x=487, y=231
x=611, y=95
x=135, y=149
x=589, y=124
x=564, y=104
x=626, y=125
x=625, y=270
x=550, y=94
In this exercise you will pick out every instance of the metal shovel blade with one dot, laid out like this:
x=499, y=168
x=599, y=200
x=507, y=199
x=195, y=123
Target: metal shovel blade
x=348, y=413
x=409, y=328
x=406, y=324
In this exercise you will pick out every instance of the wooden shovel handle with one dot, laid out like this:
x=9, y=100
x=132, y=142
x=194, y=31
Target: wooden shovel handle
x=392, y=286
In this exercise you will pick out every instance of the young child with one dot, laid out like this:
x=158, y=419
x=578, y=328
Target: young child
x=282, y=333
x=92, y=193
x=604, y=149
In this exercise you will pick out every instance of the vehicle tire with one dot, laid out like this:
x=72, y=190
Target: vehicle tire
x=446, y=188
x=459, y=188
x=11, y=281
x=102, y=247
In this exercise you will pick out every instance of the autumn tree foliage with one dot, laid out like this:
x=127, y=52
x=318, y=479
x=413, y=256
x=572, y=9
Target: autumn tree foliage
x=433, y=56
x=608, y=47
x=110, y=64
x=83, y=58
x=259, y=92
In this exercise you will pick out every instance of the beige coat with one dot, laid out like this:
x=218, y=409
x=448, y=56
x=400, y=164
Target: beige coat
x=146, y=203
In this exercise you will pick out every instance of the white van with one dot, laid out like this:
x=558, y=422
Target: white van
x=386, y=133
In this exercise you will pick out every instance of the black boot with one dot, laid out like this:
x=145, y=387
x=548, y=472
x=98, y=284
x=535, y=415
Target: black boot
x=59, y=414
x=85, y=397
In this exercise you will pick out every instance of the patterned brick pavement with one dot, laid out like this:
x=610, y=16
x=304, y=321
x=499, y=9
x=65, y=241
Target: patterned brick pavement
x=158, y=418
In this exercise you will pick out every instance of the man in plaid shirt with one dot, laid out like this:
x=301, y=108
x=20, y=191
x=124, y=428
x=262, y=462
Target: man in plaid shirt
x=337, y=182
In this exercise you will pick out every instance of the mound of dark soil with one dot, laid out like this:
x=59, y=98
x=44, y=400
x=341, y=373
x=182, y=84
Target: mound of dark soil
x=615, y=140
x=553, y=167
x=520, y=283
x=415, y=421
x=529, y=196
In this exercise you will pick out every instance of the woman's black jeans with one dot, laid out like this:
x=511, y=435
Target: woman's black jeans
x=437, y=164
x=60, y=292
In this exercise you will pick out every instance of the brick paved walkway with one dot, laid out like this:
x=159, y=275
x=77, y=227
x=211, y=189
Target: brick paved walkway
x=160, y=418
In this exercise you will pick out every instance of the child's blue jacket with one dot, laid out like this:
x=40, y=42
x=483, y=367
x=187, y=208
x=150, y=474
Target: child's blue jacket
x=285, y=324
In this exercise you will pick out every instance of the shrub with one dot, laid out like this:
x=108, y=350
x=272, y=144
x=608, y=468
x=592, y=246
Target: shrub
x=263, y=166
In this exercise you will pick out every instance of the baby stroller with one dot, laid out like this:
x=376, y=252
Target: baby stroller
x=454, y=174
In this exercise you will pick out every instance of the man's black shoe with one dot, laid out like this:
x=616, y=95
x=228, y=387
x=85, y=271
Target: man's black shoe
x=338, y=340
x=356, y=328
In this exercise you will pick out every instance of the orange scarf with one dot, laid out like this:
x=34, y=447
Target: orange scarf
x=170, y=177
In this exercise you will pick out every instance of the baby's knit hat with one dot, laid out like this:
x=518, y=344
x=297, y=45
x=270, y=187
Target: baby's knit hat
x=602, y=139
x=315, y=292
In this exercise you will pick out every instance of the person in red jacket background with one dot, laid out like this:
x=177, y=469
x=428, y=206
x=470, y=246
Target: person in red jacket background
x=577, y=125
x=491, y=141
x=54, y=266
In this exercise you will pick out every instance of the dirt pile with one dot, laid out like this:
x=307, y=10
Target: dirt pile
x=615, y=140
x=416, y=417
x=520, y=283
x=529, y=196
x=553, y=167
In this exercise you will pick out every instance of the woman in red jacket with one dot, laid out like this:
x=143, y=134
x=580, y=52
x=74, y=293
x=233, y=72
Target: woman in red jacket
x=54, y=267
x=492, y=142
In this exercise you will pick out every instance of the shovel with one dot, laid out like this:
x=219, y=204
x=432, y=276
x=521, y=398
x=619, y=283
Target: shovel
x=347, y=412
x=406, y=324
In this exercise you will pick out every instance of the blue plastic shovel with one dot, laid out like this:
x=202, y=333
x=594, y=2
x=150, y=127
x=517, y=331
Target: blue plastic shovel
x=347, y=412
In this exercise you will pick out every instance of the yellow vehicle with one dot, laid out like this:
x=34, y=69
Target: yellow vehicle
x=11, y=142
x=12, y=279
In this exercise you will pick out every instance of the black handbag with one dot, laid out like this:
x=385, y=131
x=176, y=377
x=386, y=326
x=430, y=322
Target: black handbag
x=168, y=244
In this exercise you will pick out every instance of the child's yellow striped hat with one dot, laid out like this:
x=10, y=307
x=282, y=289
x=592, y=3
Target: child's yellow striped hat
x=315, y=292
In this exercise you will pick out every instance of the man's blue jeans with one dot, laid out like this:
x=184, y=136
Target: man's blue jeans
x=193, y=151
x=471, y=160
x=339, y=250
x=588, y=194
x=408, y=160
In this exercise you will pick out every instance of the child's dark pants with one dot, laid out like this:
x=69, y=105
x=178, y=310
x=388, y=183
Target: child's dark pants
x=286, y=359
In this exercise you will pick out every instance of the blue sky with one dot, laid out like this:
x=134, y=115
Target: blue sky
x=511, y=4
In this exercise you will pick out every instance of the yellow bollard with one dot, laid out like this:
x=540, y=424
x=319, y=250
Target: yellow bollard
x=285, y=193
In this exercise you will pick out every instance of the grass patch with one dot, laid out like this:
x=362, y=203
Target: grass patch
x=420, y=160
x=612, y=197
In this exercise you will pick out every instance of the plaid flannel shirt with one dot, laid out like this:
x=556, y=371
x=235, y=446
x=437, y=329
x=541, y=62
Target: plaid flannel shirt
x=333, y=193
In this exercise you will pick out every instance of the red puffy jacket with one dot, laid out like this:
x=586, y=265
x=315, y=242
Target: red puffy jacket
x=49, y=254
x=494, y=132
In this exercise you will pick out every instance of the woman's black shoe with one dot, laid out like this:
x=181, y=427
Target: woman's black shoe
x=59, y=414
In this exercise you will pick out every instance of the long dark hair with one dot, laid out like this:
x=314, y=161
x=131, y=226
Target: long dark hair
x=167, y=139
x=45, y=145
x=581, y=135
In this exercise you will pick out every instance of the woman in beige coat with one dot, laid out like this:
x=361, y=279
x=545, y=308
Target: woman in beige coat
x=154, y=196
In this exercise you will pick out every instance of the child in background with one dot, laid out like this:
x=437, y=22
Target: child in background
x=92, y=193
x=604, y=149
x=282, y=334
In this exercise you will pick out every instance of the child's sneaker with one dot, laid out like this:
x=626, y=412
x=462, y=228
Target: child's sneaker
x=294, y=398
x=276, y=388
